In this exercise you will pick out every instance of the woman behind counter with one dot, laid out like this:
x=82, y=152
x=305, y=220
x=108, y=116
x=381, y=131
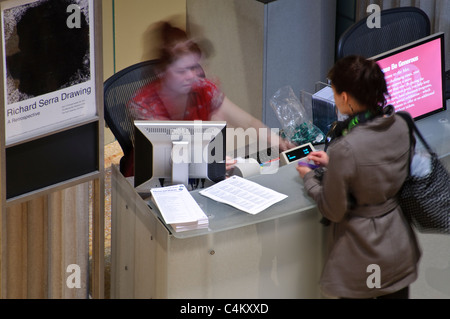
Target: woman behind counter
x=182, y=93
x=366, y=165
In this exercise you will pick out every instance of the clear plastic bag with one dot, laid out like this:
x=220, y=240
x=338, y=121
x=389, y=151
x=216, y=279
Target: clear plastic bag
x=296, y=126
x=421, y=164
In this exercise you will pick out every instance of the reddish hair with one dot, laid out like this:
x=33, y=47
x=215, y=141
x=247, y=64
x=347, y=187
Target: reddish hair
x=175, y=44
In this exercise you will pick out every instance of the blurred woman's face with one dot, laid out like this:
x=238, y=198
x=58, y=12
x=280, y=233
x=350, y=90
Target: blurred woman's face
x=181, y=75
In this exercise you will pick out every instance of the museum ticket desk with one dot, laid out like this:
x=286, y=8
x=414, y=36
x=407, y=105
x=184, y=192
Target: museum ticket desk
x=277, y=253
x=274, y=254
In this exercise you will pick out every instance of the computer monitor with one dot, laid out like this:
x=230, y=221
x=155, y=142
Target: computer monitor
x=178, y=152
x=415, y=74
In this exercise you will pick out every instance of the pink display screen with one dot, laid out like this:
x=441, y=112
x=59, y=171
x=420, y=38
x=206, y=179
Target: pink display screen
x=415, y=76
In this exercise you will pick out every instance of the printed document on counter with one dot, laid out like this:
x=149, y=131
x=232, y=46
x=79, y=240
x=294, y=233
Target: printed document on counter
x=243, y=194
x=179, y=208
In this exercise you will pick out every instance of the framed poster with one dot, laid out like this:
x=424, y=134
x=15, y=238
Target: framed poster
x=48, y=66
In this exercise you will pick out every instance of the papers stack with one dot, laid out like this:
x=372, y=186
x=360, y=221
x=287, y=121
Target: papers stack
x=178, y=208
x=243, y=194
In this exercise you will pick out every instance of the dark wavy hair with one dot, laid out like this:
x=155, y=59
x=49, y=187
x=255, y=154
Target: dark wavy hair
x=363, y=79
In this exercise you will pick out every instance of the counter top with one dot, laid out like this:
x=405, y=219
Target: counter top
x=224, y=217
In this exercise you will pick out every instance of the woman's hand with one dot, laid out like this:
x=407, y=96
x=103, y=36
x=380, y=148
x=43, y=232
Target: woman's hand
x=319, y=158
x=285, y=144
x=302, y=170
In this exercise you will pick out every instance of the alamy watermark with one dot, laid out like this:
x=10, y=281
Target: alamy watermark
x=74, y=279
x=74, y=19
x=374, y=279
x=242, y=142
x=373, y=20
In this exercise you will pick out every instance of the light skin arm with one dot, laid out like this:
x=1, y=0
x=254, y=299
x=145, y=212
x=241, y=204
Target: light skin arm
x=238, y=118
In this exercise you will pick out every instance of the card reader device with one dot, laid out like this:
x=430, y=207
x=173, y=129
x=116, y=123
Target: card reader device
x=296, y=154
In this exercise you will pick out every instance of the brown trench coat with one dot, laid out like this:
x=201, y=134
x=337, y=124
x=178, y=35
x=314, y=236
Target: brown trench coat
x=368, y=165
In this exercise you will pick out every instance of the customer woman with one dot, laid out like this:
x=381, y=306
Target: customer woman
x=182, y=93
x=373, y=252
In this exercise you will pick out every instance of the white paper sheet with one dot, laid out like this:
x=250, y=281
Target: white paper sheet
x=178, y=208
x=243, y=194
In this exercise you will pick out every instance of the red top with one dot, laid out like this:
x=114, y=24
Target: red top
x=204, y=99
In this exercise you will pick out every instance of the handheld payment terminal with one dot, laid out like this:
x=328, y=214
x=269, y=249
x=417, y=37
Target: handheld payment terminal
x=296, y=154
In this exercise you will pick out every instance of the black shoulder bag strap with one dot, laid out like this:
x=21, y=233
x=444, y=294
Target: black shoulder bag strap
x=413, y=129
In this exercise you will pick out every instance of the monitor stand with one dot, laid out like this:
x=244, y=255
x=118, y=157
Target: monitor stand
x=180, y=162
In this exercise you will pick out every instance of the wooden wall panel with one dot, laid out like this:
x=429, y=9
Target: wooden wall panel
x=43, y=237
x=76, y=247
x=37, y=248
x=16, y=281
